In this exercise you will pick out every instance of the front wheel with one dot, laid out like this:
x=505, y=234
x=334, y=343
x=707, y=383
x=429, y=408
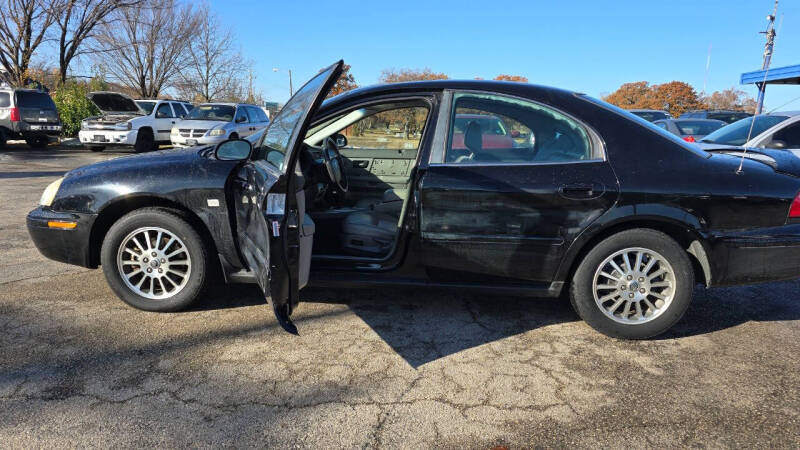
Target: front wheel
x=145, y=141
x=154, y=260
x=635, y=284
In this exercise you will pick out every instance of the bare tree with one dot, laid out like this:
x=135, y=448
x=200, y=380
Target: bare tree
x=77, y=21
x=146, y=46
x=215, y=68
x=24, y=26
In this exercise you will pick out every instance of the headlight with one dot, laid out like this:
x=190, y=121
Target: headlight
x=216, y=132
x=50, y=192
x=174, y=131
x=123, y=126
x=84, y=124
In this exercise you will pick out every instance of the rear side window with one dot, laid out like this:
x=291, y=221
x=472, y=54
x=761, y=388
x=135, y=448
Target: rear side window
x=492, y=129
x=5, y=100
x=257, y=114
x=179, y=111
x=241, y=115
x=39, y=100
x=163, y=111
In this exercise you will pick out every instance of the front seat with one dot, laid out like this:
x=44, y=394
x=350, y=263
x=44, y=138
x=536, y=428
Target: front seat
x=473, y=141
x=369, y=233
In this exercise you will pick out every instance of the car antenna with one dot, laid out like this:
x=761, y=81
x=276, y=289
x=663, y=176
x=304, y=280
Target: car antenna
x=768, y=47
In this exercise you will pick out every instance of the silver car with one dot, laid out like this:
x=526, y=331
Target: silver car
x=211, y=123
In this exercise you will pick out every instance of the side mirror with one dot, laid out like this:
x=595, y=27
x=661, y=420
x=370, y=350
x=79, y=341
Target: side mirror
x=340, y=140
x=233, y=150
x=514, y=133
x=777, y=144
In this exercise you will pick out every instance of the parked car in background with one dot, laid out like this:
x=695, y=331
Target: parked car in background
x=716, y=114
x=210, y=123
x=651, y=115
x=28, y=114
x=141, y=124
x=691, y=130
x=778, y=130
x=588, y=207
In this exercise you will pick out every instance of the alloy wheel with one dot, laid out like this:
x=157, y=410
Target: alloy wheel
x=634, y=285
x=154, y=263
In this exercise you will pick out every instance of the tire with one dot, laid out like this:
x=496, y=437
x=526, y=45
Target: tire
x=128, y=232
x=668, y=294
x=96, y=148
x=233, y=136
x=37, y=142
x=145, y=141
x=2, y=139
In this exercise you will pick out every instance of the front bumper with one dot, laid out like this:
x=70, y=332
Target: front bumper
x=180, y=141
x=107, y=137
x=71, y=246
x=753, y=256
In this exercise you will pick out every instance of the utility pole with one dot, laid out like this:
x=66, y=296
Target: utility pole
x=768, y=47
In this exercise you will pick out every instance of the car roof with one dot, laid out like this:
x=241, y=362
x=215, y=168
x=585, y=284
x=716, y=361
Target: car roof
x=411, y=87
x=689, y=119
x=783, y=113
x=648, y=110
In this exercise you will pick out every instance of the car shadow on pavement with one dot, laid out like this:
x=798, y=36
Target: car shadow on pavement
x=423, y=325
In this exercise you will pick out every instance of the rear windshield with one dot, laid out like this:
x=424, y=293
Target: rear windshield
x=697, y=127
x=651, y=115
x=39, y=100
x=212, y=112
x=728, y=117
x=738, y=132
x=147, y=107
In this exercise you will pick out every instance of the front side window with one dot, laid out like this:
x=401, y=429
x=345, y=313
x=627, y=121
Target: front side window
x=393, y=129
x=488, y=129
x=164, y=111
x=241, y=115
x=788, y=137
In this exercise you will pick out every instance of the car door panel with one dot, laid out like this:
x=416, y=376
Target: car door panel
x=273, y=232
x=510, y=221
x=372, y=171
x=163, y=125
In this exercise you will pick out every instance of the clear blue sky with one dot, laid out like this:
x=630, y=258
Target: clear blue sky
x=587, y=46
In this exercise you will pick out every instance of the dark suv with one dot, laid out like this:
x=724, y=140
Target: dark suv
x=28, y=114
x=716, y=114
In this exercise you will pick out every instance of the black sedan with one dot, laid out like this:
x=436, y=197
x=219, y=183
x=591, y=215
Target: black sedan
x=507, y=187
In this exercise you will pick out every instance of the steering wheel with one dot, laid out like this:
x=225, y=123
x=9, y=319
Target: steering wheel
x=334, y=164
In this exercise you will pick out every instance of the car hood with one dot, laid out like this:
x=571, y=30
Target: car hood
x=113, y=102
x=164, y=160
x=201, y=124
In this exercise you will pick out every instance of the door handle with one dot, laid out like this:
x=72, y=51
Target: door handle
x=360, y=164
x=581, y=190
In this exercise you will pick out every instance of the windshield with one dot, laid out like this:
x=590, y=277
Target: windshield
x=651, y=115
x=286, y=124
x=737, y=132
x=698, y=127
x=147, y=107
x=222, y=113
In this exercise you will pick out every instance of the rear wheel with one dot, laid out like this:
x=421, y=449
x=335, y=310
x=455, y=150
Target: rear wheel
x=2, y=139
x=633, y=285
x=38, y=142
x=154, y=260
x=144, y=141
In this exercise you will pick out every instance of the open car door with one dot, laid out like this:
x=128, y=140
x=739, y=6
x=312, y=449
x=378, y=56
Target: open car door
x=272, y=228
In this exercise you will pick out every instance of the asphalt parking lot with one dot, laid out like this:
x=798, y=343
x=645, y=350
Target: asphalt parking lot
x=371, y=368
